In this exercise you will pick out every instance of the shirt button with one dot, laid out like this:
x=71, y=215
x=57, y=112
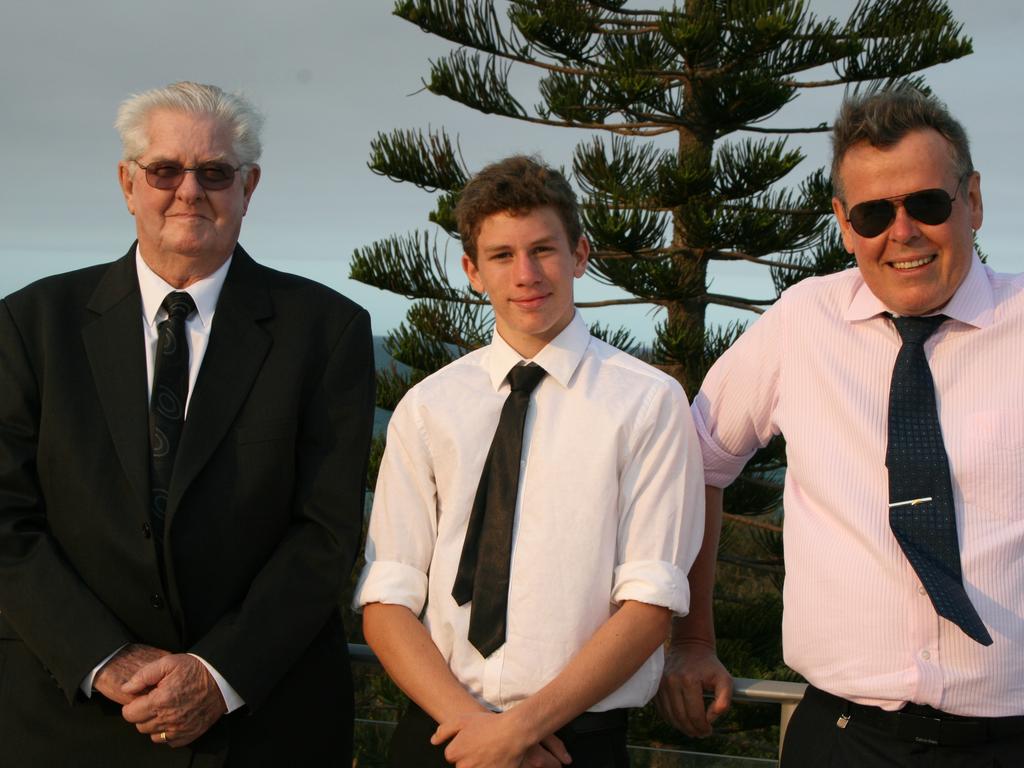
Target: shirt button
x=147, y=531
x=921, y=590
x=925, y=655
x=156, y=601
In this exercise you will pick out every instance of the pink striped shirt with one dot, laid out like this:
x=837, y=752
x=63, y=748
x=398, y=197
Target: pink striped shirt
x=816, y=368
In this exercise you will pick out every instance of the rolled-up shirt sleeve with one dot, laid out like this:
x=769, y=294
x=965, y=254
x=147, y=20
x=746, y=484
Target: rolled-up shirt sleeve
x=662, y=505
x=403, y=526
x=734, y=412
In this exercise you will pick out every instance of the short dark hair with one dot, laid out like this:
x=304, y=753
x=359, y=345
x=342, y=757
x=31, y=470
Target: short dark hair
x=884, y=117
x=517, y=185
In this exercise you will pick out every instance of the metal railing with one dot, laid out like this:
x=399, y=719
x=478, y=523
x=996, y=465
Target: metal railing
x=786, y=695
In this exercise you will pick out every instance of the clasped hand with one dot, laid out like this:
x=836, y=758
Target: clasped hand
x=170, y=697
x=490, y=740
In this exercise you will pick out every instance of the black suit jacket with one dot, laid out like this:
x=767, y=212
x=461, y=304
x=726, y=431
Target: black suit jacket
x=263, y=519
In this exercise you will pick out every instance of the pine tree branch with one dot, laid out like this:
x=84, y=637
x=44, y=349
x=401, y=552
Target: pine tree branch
x=616, y=302
x=740, y=256
x=769, y=566
x=643, y=129
x=651, y=14
x=736, y=302
x=427, y=160
x=647, y=254
x=460, y=300
x=820, y=128
x=744, y=520
x=817, y=83
x=779, y=211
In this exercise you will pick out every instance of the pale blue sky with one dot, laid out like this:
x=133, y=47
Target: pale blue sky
x=329, y=75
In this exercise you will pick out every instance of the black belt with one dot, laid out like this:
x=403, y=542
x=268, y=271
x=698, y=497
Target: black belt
x=920, y=723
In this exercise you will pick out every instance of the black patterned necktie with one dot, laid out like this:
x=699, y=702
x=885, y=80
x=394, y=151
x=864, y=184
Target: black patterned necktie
x=167, y=403
x=921, y=512
x=483, y=575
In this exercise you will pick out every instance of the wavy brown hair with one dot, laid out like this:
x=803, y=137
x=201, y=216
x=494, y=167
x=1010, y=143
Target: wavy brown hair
x=515, y=185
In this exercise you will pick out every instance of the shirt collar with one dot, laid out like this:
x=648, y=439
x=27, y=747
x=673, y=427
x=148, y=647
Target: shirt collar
x=560, y=357
x=154, y=289
x=972, y=303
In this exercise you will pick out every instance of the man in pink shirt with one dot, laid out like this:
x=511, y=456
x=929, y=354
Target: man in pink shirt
x=904, y=608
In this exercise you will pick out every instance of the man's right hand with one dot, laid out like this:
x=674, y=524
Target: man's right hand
x=545, y=754
x=690, y=670
x=125, y=663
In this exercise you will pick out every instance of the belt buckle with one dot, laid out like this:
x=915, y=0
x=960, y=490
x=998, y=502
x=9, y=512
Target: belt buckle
x=924, y=730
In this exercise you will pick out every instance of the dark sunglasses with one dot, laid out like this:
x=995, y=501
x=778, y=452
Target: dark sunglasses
x=166, y=174
x=928, y=206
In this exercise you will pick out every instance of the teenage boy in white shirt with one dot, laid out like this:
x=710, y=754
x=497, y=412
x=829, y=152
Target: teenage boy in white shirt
x=608, y=512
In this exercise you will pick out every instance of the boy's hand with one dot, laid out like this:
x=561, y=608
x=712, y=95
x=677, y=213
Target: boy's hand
x=489, y=740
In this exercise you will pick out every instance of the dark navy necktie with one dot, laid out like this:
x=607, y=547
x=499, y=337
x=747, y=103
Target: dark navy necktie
x=483, y=575
x=921, y=512
x=167, y=403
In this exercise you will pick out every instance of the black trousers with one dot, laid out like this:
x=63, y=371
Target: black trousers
x=814, y=740
x=411, y=747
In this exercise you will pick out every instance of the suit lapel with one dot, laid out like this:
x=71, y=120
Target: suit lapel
x=237, y=348
x=115, y=347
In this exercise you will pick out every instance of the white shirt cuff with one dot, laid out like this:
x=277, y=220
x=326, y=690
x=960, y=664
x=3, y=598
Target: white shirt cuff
x=86, y=685
x=654, y=582
x=393, y=583
x=231, y=698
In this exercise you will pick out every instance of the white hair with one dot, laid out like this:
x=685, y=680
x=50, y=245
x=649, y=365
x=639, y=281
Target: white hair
x=232, y=109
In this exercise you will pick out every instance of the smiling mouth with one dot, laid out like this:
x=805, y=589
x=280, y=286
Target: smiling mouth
x=530, y=301
x=913, y=264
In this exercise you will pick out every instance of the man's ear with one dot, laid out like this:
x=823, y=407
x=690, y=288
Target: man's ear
x=470, y=268
x=582, y=256
x=252, y=178
x=974, y=200
x=844, y=226
x=127, y=182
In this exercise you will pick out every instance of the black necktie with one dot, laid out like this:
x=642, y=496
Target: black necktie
x=921, y=512
x=167, y=403
x=483, y=575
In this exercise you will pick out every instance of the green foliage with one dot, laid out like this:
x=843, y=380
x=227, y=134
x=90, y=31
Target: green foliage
x=685, y=167
x=619, y=171
x=427, y=160
x=376, y=453
x=692, y=349
x=618, y=337
x=406, y=265
x=476, y=81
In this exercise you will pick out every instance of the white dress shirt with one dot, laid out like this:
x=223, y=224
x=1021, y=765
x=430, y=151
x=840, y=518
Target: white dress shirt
x=204, y=293
x=610, y=508
x=816, y=368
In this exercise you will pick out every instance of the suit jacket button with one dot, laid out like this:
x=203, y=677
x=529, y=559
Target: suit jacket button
x=156, y=601
x=147, y=530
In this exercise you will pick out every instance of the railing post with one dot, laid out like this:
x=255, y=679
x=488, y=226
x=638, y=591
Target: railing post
x=787, y=710
x=787, y=695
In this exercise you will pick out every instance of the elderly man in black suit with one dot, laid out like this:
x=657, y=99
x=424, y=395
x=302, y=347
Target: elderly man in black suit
x=183, y=441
